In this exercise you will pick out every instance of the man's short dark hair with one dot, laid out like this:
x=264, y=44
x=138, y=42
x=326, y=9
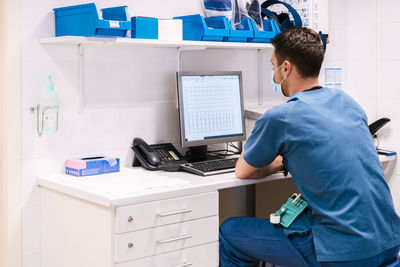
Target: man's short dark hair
x=302, y=47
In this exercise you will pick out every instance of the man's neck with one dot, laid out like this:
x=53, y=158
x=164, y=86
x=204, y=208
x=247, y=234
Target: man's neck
x=302, y=84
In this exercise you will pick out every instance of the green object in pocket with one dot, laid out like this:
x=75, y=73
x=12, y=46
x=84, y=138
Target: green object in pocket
x=292, y=208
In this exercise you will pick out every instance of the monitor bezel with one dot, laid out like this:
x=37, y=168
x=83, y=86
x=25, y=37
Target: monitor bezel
x=185, y=143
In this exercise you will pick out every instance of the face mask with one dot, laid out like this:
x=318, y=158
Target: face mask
x=277, y=86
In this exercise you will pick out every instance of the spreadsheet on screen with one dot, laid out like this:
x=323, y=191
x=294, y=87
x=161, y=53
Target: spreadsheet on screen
x=212, y=106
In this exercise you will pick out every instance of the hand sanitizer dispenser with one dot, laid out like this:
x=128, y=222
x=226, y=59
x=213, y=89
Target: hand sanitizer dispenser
x=48, y=108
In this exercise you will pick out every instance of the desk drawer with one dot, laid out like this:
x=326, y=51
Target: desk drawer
x=153, y=241
x=158, y=213
x=199, y=256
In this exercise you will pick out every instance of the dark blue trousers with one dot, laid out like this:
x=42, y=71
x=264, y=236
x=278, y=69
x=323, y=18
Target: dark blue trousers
x=245, y=241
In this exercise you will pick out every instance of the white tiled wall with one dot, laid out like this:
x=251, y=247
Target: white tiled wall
x=388, y=89
x=128, y=92
x=131, y=91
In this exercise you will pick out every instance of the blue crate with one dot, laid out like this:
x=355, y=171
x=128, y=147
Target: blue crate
x=271, y=29
x=84, y=20
x=118, y=13
x=198, y=28
x=244, y=31
x=144, y=28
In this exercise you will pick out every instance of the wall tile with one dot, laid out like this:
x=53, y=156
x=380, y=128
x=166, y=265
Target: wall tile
x=361, y=12
x=383, y=11
x=31, y=261
x=122, y=75
x=388, y=87
x=388, y=39
x=164, y=126
x=29, y=135
x=362, y=78
x=30, y=190
x=393, y=11
x=362, y=42
x=368, y=104
x=388, y=107
x=164, y=9
x=337, y=48
x=31, y=231
x=338, y=14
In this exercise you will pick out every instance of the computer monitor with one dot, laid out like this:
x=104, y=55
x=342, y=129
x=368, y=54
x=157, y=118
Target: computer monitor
x=210, y=108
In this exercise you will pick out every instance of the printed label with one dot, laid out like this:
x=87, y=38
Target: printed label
x=333, y=78
x=114, y=24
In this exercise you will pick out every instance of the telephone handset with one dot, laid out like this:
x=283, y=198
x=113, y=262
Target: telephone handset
x=156, y=157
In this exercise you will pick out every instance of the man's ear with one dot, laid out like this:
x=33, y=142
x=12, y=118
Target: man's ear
x=287, y=67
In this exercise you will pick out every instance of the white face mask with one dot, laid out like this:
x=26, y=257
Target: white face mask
x=277, y=86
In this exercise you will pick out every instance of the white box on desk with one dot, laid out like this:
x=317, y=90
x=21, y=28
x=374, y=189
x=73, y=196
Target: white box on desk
x=170, y=29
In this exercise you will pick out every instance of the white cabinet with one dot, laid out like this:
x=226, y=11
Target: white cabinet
x=199, y=256
x=157, y=213
x=167, y=238
x=133, y=218
x=170, y=232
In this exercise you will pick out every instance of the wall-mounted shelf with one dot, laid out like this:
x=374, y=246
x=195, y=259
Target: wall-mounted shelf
x=78, y=40
x=82, y=42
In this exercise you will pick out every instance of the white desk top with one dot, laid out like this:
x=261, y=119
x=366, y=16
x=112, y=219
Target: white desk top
x=136, y=185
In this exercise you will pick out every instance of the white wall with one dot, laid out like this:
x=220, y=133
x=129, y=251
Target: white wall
x=10, y=134
x=131, y=91
x=388, y=99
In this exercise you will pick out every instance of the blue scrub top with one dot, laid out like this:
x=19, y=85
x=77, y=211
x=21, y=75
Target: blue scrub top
x=324, y=139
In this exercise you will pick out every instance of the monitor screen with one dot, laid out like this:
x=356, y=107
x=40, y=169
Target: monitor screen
x=210, y=108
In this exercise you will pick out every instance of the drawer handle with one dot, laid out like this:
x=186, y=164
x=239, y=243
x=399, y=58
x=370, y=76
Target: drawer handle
x=185, y=265
x=130, y=219
x=130, y=245
x=174, y=213
x=174, y=239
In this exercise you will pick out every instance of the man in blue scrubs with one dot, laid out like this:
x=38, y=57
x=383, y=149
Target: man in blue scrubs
x=321, y=136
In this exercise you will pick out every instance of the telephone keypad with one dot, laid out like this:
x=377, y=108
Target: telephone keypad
x=163, y=155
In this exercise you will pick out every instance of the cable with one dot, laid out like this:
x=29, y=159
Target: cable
x=377, y=139
x=238, y=149
x=225, y=152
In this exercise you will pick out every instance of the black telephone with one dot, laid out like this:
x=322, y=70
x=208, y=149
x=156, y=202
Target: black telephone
x=156, y=157
x=375, y=126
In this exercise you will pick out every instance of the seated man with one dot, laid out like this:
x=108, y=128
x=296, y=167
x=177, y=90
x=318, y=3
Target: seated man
x=321, y=136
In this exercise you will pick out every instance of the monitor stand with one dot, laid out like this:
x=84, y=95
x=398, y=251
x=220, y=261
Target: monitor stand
x=197, y=153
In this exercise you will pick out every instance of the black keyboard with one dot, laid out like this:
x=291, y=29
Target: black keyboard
x=211, y=167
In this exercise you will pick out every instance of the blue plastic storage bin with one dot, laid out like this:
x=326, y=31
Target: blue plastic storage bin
x=198, y=28
x=144, y=28
x=244, y=31
x=271, y=29
x=84, y=20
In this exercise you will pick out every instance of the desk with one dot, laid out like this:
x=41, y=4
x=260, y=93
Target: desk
x=133, y=218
